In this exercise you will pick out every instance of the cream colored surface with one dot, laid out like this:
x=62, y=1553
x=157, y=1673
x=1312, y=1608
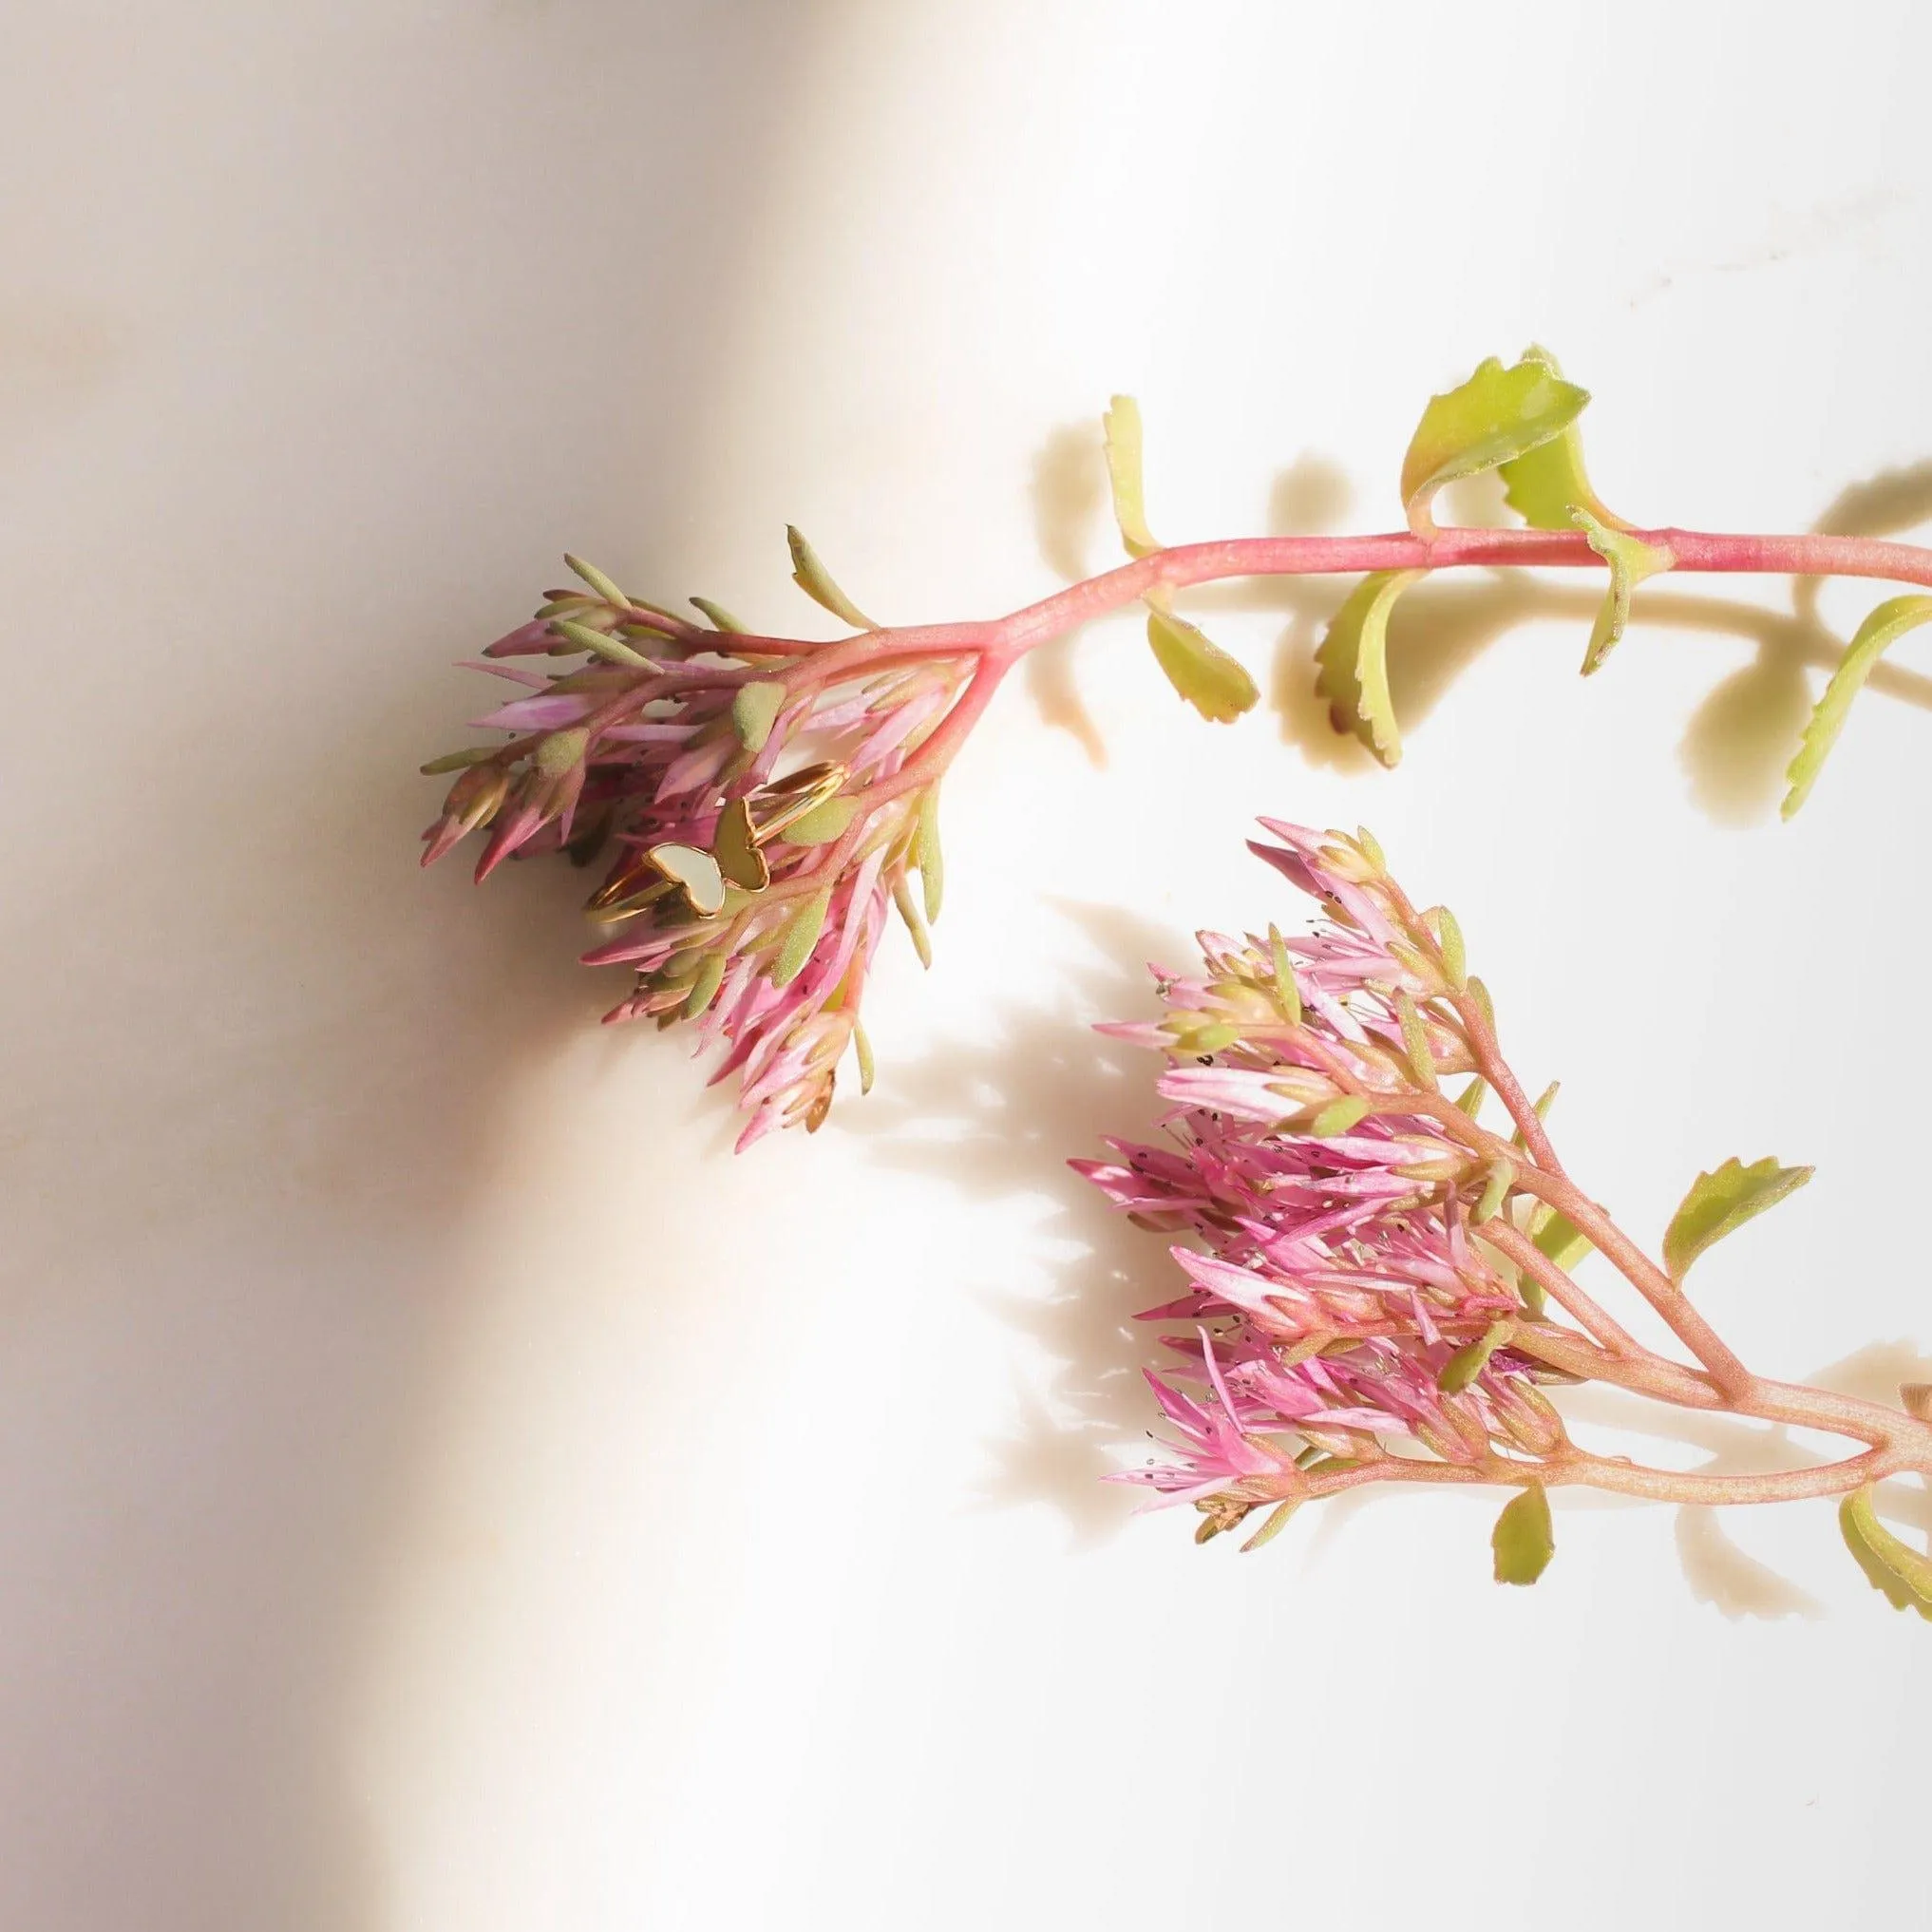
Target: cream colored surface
x=439, y=1490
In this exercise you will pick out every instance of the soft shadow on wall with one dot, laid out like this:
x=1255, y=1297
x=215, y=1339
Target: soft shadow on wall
x=997, y=1116
x=385, y=315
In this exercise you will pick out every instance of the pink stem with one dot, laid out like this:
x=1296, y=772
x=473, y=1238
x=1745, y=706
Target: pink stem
x=1615, y=1474
x=1694, y=550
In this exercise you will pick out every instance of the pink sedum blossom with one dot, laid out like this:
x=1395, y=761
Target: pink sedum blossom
x=762, y=801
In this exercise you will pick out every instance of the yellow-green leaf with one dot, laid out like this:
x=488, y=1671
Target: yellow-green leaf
x=816, y=581
x=823, y=824
x=915, y=924
x=596, y=580
x=1339, y=1116
x=704, y=986
x=1523, y=1541
x=1498, y=416
x=927, y=853
x=719, y=615
x=1722, y=1200
x=862, y=1048
x=801, y=936
x=614, y=648
x=1215, y=684
x=1120, y=426
x=1891, y=621
x=1352, y=666
x=1631, y=561
x=1415, y=1042
x=1275, y=1522
x=1467, y=1363
x=1559, y=1238
x=1453, y=947
x=561, y=752
x=1545, y=485
x=458, y=761
x=1902, y=1573
x=754, y=711
x=1496, y=1184
x=1286, y=991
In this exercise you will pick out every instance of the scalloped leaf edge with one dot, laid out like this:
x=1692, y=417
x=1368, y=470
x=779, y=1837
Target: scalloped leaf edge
x=1720, y=1201
x=1352, y=663
x=1880, y=629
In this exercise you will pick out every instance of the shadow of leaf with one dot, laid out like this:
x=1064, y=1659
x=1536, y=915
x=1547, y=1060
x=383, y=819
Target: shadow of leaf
x=1733, y=1583
x=1740, y=739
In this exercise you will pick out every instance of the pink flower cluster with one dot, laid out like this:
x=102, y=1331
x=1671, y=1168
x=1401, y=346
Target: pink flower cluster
x=763, y=807
x=1337, y=1291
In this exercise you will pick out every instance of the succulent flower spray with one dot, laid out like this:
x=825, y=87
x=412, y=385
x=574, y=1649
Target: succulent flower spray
x=1381, y=1286
x=764, y=804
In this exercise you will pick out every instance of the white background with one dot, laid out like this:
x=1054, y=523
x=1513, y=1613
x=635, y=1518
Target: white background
x=439, y=1490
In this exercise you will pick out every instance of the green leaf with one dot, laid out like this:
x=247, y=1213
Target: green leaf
x=1522, y=1539
x=1631, y=561
x=915, y=924
x=719, y=615
x=596, y=580
x=867, y=1066
x=1902, y=1573
x=601, y=643
x=1496, y=1187
x=801, y=936
x=754, y=711
x=561, y=752
x=704, y=986
x=816, y=581
x=1467, y=1363
x=1120, y=426
x=1213, y=1037
x=1470, y=1098
x=1275, y=1522
x=1352, y=666
x=1891, y=621
x=1498, y=416
x=1286, y=991
x=458, y=761
x=1546, y=484
x=1415, y=1042
x=1453, y=947
x=823, y=824
x=1215, y=684
x=1722, y=1200
x=1339, y=1116
x=928, y=857
x=1558, y=1237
